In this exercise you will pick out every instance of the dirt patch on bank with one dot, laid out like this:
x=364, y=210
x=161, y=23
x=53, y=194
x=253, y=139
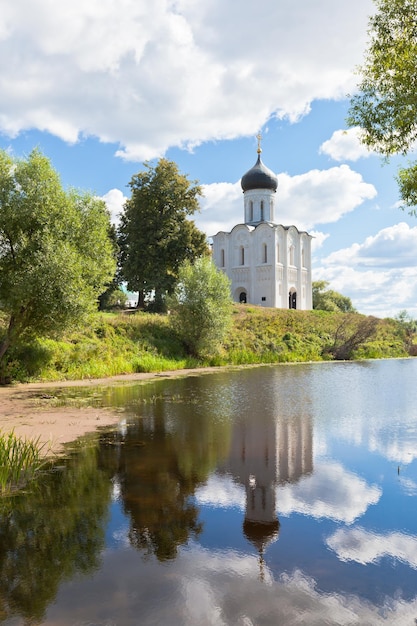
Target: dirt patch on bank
x=27, y=410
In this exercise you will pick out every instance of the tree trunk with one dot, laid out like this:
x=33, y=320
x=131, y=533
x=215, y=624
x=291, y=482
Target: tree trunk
x=141, y=300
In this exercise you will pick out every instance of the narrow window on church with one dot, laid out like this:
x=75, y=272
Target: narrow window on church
x=278, y=254
x=251, y=211
x=264, y=253
x=242, y=255
x=302, y=258
x=291, y=255
x=222, y=258
x=262, y=210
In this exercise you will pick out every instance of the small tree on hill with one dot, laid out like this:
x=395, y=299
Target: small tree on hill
x=155, y=234
x=329, y=300
x=201, y=307
x=55, y=252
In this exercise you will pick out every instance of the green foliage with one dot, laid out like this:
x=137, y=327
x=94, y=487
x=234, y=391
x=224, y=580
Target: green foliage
x=20, y=460
x=329, y=300
x=155, y=235
x=386, y=107
x=201, y=307
x=55, y=252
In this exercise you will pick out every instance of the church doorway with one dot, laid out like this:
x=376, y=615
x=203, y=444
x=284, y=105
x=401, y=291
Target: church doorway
x=292, y=299
x=242, y=297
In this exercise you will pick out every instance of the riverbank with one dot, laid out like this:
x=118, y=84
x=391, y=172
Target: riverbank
x=26, y=409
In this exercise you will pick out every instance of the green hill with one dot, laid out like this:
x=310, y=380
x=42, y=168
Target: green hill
x=133, y=341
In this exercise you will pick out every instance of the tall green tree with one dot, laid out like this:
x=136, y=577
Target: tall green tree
x=155, y=233
x=386, y=105
x=201, y=307
x=55, y=251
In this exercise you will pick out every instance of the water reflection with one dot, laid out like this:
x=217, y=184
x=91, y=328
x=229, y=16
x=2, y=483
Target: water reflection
x=51, y=534
x=279, y=495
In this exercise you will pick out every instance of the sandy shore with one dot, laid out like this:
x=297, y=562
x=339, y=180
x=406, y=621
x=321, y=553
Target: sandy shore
x=26, y=409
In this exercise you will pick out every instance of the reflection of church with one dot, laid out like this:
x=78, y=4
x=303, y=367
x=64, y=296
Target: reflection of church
x=268, y=264
x=264, y=453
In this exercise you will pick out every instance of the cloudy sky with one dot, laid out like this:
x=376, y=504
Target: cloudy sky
x=100, y=87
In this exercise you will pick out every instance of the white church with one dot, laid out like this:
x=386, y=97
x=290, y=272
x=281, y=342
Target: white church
x=268, y=264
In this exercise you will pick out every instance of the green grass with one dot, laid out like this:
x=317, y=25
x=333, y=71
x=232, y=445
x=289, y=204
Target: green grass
x=126, y=343
x=20, y=460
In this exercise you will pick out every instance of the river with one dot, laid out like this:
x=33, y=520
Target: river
x=264, y=496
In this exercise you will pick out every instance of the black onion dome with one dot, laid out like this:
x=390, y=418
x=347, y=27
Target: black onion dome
x=259, y=177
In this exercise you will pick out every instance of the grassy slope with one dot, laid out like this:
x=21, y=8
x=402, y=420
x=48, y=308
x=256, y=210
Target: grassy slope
x=142, y=342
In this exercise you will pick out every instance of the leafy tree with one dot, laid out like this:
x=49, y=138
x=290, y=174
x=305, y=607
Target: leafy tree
x=201, y=306
x=386, y=105
x=155, y=234
x=55, y=252
x=330, y=300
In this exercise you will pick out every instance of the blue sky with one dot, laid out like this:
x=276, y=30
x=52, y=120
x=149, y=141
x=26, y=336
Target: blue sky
x=100, y=87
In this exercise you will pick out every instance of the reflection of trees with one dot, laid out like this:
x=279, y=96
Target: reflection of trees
x=167, y=451
x=49, y=533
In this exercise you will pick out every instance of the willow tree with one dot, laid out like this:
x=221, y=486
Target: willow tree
x=55, y=252
x=385, y=107
x=155, y=234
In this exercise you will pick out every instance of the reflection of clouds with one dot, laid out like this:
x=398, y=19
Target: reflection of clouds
x=362, y=546
x=330, y=492
x=221, y=491
x=216, y=589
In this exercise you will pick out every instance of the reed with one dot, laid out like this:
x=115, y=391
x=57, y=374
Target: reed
x=20, y=460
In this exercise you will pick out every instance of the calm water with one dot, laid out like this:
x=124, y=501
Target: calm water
x=267, y=496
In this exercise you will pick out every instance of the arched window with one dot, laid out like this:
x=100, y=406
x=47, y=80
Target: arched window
x=291, y=255
x=251, y=211
x=222, y=257
x=303, y=258
x=242, y=255
x=264, y=253
x=262, y=210
x=278, y=254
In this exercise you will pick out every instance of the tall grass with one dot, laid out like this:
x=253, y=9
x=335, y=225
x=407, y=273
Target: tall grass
x=20, y=460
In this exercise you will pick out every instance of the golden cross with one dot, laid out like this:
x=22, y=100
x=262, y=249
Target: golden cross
x=259, y=137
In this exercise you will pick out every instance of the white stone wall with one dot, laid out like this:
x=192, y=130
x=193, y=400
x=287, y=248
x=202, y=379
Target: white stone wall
x=264, y=260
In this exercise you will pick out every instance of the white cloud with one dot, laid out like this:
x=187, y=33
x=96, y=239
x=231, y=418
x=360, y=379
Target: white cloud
x=321, y=196
x=331, y=492
x=345, y=145
x=383, y=263
x=150, y=75
x=394, y=246
x=316, y=197
x=362, y=546
x=114, y=200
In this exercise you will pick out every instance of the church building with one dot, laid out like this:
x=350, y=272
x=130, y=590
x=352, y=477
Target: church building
x=268, y=264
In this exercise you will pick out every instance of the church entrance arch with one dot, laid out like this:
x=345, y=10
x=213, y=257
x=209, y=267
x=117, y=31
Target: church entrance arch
x=243, y=297
x=292, y=299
